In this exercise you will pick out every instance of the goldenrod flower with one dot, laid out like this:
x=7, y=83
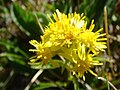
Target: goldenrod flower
x=42, y=51
x=68, y=36
x=93, y=40
x=63, y=30
x=83, y=61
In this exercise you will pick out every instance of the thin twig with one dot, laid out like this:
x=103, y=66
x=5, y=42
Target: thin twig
x=33, y=79
x=39, y=23
x=103, y=79
x=62, y=58
x=8, y=79
x=88, y=87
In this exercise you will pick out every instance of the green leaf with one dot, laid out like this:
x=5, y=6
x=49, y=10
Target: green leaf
x=75, y=82
x=16, y=61
x=39, y=65
x=45, y=85
x=26, y=21
x=14, y=58
x=9, y=45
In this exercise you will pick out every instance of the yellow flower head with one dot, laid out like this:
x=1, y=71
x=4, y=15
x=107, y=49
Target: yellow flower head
x=68, y=36
x=83, y=61
x=63, y=30
x=93, y=40
x=43, y=52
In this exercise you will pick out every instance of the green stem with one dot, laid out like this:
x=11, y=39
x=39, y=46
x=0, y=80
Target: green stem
x=106, y=30
x=107, y=35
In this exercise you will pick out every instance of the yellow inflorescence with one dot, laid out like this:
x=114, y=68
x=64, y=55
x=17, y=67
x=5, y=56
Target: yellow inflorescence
x=68, y=36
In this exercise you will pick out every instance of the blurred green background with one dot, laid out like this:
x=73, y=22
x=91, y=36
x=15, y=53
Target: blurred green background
x=18, y=25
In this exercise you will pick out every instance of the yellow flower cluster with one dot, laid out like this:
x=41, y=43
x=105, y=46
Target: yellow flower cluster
x=69, y=37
